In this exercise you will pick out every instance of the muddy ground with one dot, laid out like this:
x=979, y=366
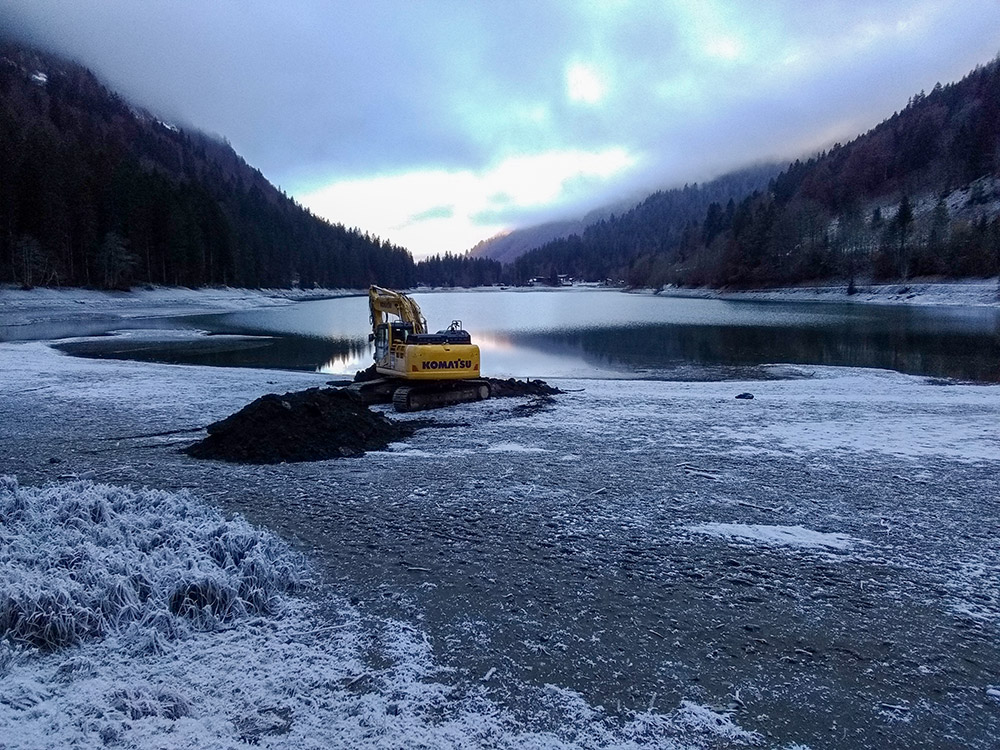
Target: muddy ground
x=554, y=545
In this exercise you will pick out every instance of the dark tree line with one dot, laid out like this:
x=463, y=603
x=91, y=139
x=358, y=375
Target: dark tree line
x=458, y=270
x=94, y=192
x=916, y=195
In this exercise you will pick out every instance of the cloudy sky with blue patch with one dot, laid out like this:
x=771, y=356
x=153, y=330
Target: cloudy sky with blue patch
x=438, y=123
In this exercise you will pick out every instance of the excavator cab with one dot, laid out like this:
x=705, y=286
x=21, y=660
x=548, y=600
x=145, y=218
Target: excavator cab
x=387, y=335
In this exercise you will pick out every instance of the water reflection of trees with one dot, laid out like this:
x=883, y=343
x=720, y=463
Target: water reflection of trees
x=857, y=343
x=280, y=353
x=351, y=355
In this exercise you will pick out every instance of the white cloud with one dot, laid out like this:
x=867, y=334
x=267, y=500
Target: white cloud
x=724, y=47
x=435, y=210
x=584, y=85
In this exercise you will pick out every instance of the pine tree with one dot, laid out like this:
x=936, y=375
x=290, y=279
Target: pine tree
x=116, y=262
x=902, y=222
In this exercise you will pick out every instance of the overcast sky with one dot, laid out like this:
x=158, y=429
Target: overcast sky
x=437, y=123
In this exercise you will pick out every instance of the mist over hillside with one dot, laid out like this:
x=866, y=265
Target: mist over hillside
x=97, y=191
x=508, y=246
x=662, y=213
x=917, y=195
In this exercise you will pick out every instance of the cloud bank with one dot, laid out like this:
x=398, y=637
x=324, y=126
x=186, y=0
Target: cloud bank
x=437, y=123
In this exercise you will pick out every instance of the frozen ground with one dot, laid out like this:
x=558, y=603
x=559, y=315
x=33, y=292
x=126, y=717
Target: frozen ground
x=819, y=563
x=967, y=293
x=155, y=622
x=20, y=307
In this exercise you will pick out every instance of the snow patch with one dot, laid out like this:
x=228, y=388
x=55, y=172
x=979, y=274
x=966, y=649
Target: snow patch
x=964, y=293
x=788, y=536
x=21, y=307
x=515, y=448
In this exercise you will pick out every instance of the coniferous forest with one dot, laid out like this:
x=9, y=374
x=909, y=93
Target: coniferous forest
x=917, y=195
x=94, y=192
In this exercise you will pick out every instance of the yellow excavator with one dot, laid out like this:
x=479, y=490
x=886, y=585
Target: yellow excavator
x=419, y=370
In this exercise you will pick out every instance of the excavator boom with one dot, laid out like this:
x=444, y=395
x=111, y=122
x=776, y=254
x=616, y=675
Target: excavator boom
x=382, y=301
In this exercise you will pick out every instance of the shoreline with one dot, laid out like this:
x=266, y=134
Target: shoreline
x=963, y=293
x=41, y=304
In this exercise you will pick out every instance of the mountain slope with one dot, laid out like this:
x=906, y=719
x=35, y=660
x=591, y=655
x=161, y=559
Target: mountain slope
x=690, y=202
x=917, y=195
x=607, y=247
x=94, y=191
x=509, y=246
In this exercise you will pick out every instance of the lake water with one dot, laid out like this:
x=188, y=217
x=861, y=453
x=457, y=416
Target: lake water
x=592, y=333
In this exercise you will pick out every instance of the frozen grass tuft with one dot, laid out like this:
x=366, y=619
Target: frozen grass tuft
x=83, y=560
x=7, y=656
x=142, y=702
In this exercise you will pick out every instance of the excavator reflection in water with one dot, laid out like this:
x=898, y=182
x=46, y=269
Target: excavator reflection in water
x=419, y=370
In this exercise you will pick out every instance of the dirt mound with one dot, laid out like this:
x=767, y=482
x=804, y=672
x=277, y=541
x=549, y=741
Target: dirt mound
x=310, y=425
x=513, y=387
x=369, y=373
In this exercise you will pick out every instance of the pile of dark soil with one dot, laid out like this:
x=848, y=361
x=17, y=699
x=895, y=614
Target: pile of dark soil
x=319, y=424
x=369, y=373
x=310, y=425
x=513, y=387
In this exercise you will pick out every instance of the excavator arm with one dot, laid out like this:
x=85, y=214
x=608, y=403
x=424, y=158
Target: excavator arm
x=382, y=301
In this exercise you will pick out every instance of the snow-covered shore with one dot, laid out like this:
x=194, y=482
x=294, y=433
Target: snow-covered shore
x=19, y=306
x=636, y=564
x=101, y=648
x=146, y=619
x=967, y=293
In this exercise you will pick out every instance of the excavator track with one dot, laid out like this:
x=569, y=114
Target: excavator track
x=433, y=396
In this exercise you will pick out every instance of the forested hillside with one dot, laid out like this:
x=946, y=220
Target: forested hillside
x=917, y=195
x=608, y=248
x=96, y=192
x=459, y=270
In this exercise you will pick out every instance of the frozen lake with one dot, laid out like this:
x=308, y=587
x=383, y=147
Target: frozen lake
x=580, y=333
